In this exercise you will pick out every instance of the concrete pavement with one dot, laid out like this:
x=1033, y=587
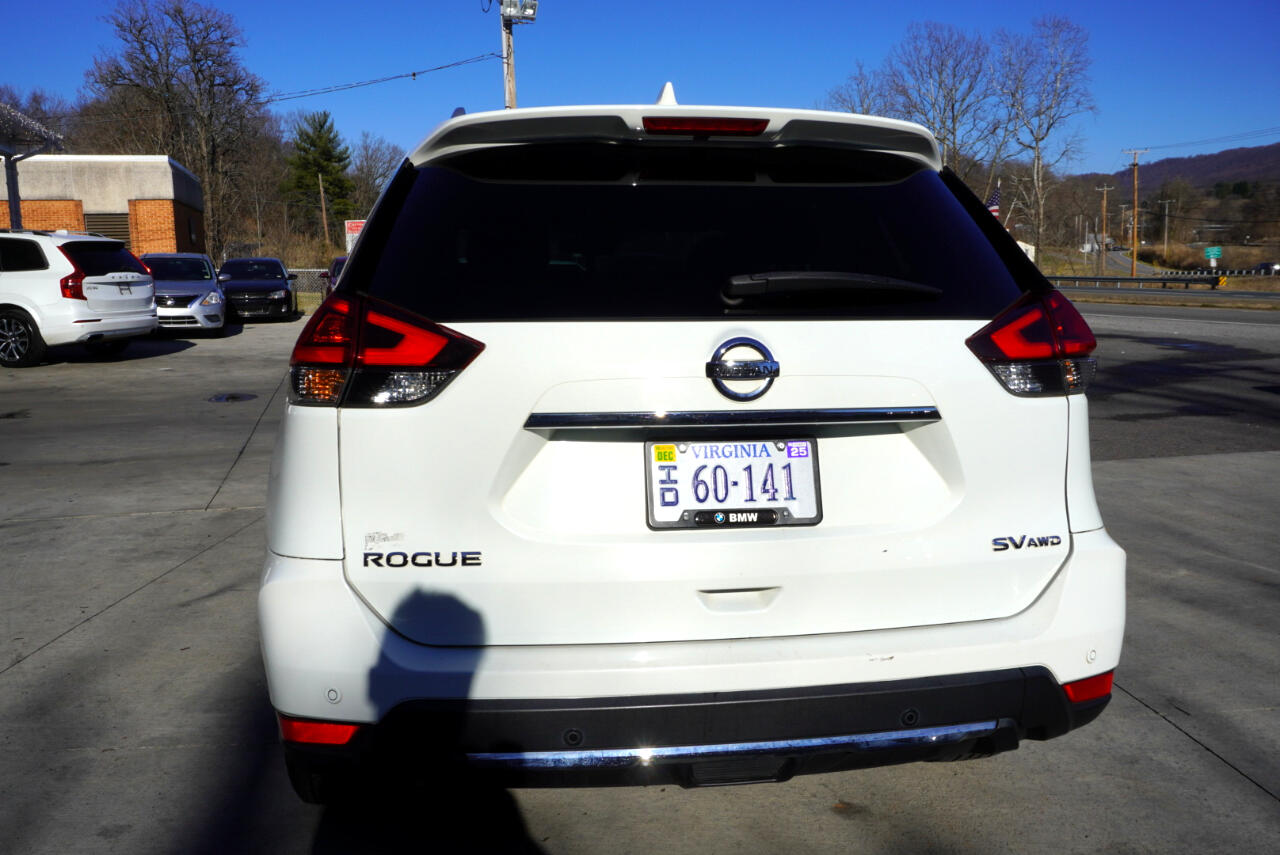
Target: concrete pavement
x=133, y=710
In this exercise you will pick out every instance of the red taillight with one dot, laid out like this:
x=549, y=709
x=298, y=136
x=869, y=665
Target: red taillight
x=1090, y=688
x=316, y=732
x=391, y=341
x=704, y=126
x=72, y=284
x=1038, y=346
x=360, y=352
x=329, y=338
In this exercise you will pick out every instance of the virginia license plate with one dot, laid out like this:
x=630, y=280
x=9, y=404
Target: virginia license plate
x=732, y=484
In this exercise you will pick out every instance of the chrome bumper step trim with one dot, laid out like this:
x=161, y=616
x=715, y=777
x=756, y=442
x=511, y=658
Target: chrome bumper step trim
x=624, y=757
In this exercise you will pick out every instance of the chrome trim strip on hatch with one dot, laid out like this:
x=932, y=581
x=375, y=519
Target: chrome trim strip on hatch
x=622, y=757
x=731, y=418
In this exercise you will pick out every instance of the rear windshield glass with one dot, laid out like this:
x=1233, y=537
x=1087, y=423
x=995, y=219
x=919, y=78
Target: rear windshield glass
x=620, y=232
x=100, y=257
x=179, y=269
x=245, y=268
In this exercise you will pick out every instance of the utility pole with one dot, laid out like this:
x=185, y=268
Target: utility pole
x=1165, y=202
x=1133, y=268
x=508, y=64
x=511, y=13
x=1102, y=238
x=324, y=216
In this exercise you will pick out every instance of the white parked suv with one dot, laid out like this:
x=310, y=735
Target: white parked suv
x=65, y=288
x=696, y=444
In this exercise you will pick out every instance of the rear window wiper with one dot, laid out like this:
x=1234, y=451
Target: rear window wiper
x=825, y=284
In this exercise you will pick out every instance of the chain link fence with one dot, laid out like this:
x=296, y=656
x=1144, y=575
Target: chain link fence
x=310, y=287
x=309, y=281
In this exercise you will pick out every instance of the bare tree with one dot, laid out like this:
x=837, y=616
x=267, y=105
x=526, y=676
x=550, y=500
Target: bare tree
x=177, y=87
x=865, y=92
x=51, y=111
x=1043, y=80
x=939, y=77
x=373, y=163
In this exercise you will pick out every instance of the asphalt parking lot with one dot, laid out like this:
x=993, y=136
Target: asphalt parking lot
x=133, y=710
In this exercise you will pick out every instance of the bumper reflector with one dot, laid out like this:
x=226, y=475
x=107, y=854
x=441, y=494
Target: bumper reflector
x=1090, y=688
x=315, y=732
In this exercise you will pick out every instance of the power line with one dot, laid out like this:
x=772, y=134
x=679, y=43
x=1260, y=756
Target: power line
x=1243, y=135
x=291, y=96
x=342, y=87
x=1222, y=221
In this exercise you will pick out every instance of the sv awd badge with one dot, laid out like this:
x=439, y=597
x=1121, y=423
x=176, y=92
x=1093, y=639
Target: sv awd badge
x=1000, y=544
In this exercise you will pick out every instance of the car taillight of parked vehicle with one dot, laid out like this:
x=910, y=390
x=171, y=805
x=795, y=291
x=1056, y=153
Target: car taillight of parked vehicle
x=73, y=283
x=1040, y=345
x=359, y=352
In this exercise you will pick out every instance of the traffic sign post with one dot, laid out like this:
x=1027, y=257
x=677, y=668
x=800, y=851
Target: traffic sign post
x=1213, y=253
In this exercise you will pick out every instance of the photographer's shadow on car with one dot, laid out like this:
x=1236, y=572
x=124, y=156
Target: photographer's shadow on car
x=413, y=790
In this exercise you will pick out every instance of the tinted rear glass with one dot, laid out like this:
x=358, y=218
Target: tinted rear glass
x=245, y=268
x=623, y=231
x=180, y=269
x=100, y=257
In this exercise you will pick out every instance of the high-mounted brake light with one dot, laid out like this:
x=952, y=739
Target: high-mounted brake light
x=1090, y=688
x=359, y=352
x=1040, y=345
x=72, y=284
x=315, y=732
x=704, y=126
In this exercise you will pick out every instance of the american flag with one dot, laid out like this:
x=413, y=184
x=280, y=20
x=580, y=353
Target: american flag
x=993, y=204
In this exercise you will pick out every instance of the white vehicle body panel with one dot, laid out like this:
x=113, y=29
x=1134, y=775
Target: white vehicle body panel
x=1075, y=629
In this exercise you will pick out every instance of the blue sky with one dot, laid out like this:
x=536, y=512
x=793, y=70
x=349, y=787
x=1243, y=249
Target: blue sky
x=1163, y=73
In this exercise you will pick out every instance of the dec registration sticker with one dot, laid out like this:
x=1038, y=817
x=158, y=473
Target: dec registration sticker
x=732, y=484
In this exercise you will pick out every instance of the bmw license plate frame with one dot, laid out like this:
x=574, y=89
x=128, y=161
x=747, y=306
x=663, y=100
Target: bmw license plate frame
x=718, y=484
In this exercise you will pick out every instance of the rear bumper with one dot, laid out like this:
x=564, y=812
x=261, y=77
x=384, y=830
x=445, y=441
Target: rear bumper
x=708, y=739
x=318, y=635
x=86, y=326
x=328, y=657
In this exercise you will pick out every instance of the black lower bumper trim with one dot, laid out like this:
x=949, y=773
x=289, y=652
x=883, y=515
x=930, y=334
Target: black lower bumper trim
x=703, y=739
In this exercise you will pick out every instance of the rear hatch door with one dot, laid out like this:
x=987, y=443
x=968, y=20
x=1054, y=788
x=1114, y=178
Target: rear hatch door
x=526, y=490
x=115, y=281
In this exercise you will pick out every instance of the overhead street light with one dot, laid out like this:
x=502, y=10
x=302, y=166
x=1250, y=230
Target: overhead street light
x=519, y=10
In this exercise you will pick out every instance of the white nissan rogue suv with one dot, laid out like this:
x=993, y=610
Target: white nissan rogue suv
x=694, y=444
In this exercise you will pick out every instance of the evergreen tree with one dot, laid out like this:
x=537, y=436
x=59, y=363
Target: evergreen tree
x=319, y=156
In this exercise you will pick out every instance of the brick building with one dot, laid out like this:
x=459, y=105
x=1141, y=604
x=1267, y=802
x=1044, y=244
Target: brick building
x=151, y=202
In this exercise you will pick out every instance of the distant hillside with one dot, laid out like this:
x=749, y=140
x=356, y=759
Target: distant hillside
x=1254, y=164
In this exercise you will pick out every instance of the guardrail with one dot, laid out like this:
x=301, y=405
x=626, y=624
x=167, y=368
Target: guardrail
x=1221, y=271
x=1183, y=281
